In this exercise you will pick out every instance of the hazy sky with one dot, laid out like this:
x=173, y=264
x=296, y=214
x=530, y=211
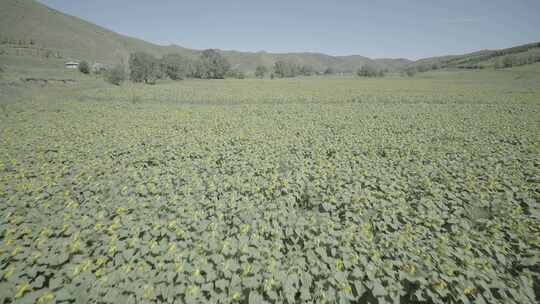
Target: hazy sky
x=383, y=28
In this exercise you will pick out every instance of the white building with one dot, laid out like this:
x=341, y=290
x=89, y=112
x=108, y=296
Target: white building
x=72, y=65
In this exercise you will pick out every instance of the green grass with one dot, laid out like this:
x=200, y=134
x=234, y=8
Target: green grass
x=484, y=58
x=298, y=190
x=444, y=87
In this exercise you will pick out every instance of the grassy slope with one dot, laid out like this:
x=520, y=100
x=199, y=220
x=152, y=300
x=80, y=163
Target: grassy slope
x=78, y=39
x=75, y=38
x=483, y=58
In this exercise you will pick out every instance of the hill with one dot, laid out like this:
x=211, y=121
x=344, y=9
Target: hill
x=514, y=56
x=32, y=33
x=29, y=28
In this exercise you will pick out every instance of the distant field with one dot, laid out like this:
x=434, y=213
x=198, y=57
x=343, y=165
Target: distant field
x=302, y=190
x=517, y=86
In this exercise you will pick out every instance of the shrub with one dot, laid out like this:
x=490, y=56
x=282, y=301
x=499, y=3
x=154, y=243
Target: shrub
x=84, y=67
x=116, y=75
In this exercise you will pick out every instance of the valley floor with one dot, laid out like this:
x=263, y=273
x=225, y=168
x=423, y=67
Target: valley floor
x=296, y=190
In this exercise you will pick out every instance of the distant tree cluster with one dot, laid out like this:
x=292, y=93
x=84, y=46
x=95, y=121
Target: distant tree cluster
x=175, y=66
x=516, y=60
x=410, y=71
x=369, y=70
x=261, y=71
x=16, y=41
x=144, y=67
x=285, y=69
x=211, y=65
x=115, y=75
x=84, y=67
x=424, y=67
x=421, y=68
x=235, y=73
x=329, y=71
x=515, y=56
x=97, y=68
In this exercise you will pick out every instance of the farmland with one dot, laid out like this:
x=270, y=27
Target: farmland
x=327, y=189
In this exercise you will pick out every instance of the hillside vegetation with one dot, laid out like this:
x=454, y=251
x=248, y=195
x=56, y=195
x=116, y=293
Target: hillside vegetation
x=504, y=58
x=31, y=29
x=28, y=27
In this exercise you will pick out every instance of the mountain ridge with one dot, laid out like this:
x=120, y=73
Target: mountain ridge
x=31, y=24
x=77, y=38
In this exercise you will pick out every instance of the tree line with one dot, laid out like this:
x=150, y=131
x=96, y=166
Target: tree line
x=369, y=70
x=211, y=64
x=146, y=68
x=286, y=69
x=516, y=60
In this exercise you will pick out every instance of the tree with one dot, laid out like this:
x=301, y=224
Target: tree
x=84, y=67
x=507, y=62
x=175, y=66
x=284, y=69
x=410, y=72
x=498, y=64
x=260, y=71
x=281, y=69
x=236, y=73
x=422, y=68
x=367, y=71
x=98, y=68
x=116, y=75
x=329, y=71
x=306, y=70
x=143, y=68
x=212, y=65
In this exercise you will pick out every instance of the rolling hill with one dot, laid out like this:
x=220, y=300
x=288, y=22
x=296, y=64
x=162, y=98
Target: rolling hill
x=515, y=56
x=32, y=33
x=31, y=28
